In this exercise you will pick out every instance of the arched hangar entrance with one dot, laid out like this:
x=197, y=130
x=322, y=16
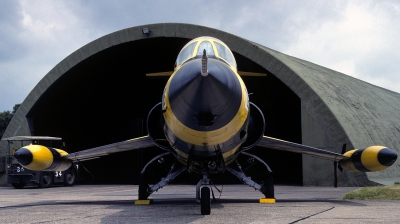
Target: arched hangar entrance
x=100, y=94
x=105, y=98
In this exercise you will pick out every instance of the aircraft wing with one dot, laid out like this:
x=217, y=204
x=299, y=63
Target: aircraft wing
x=278, y=144
x=94, y=153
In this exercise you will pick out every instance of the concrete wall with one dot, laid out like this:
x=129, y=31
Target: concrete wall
x=320, y=172
x=349, y=111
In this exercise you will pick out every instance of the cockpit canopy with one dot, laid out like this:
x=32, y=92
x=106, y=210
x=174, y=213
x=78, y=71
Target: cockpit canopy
x=214, y=48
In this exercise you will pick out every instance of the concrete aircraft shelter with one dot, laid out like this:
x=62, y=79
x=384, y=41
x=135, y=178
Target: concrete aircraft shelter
x=100, y=94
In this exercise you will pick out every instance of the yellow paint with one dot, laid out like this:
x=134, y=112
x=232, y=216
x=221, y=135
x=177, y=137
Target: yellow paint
x=255, y=74
x=143, y=202
x=193, y=53
x=134, y=139
x=212, y=40
x=14, y=150
x=209, y=137
x=369, y=158
x=241, y=73
x=348, y=165
x=62, y=152
x=230, y=152
x=196, y=48
x=42, y=157
x=350, y=153
x=267, y=200
x=157, y=74
x=228, y=162
x=182, y=154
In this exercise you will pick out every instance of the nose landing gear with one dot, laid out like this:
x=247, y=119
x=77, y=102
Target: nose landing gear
x=204, y=197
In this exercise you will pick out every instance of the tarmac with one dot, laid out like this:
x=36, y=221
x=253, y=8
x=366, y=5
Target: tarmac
x=177, y=204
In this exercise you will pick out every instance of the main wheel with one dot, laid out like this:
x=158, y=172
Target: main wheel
x=69, y=177
x=205, y=202
x=46, y=179
x=143, y=187
x=268, y=188
x=18, y=185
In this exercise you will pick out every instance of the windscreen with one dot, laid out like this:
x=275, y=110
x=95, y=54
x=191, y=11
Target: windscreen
x=186, y=53
x=225, y=53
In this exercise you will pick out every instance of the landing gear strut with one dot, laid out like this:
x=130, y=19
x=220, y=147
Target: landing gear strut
x=266, y=186
x=145, y=189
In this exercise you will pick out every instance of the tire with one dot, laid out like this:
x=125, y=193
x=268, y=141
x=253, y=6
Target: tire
x=268, y=188
x=18, y=185
x=205, y=202
x=143, y=186
x=46, y=179
x=69, y=177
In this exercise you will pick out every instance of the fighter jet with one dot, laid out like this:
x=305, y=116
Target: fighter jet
x=206, y=122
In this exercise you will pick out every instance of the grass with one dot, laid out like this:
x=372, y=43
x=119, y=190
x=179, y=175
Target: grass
x=375, y=193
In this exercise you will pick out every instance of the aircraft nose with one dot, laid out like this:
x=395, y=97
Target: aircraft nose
x=23, y=156
x=205, y=102
x=387, y=157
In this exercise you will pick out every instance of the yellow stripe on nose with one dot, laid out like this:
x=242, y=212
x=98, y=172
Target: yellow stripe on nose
x=209, y=137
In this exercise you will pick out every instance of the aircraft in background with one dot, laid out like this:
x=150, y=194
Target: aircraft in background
x=206, y=122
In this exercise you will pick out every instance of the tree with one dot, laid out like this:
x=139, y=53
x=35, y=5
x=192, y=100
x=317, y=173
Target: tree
x=15, y=108
x=5, y=118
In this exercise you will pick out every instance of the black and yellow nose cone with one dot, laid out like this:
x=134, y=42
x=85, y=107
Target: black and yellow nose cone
x=387, y=157
x=205, y=102
x=23, y=156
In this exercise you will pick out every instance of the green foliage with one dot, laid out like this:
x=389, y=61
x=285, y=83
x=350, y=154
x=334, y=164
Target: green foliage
x=15, y=108
x=377, y=193
x=5, y=118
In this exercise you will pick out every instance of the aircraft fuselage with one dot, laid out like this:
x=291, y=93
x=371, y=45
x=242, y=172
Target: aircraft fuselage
x=206, y=115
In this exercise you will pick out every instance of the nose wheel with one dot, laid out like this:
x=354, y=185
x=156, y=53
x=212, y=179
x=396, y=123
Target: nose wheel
x=203, y=195
x=205, y=201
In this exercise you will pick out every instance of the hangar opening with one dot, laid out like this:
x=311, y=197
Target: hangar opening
x=106, y=99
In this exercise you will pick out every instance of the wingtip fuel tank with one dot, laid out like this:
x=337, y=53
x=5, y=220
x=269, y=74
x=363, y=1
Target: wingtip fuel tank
x=42, y=158
x=371, y=159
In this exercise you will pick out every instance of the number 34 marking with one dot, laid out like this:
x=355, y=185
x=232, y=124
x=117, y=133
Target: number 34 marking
x=58, y=174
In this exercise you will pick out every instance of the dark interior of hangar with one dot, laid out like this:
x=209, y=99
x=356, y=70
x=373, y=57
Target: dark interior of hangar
x=106, y=98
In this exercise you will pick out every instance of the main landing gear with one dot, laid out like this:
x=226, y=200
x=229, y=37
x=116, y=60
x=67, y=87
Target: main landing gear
x=145, y=189
x=265, y=186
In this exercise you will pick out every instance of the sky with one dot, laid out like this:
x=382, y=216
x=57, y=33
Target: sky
x=357, y=38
